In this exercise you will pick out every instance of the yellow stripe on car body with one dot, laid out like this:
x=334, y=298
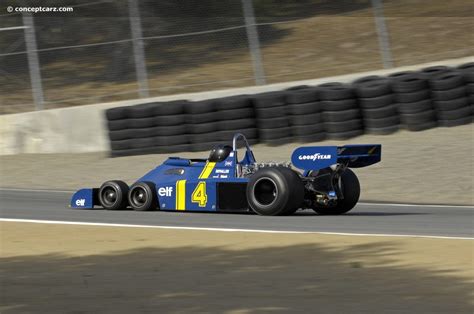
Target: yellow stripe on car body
x=206, y=172
x=181, y=195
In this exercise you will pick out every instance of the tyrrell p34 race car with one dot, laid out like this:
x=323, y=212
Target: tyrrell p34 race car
x=318, y=177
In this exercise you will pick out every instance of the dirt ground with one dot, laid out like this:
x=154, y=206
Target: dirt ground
x=91, y=269
x=320, y=45
x=433, y=167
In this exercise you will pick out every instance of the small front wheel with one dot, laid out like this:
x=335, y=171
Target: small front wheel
x=350, y=188
x=142, y=196
x=113, y=195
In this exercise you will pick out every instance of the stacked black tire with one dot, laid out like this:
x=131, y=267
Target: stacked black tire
x=272, y=119
x=377, y=103
x=201, y=118
x=147, y=129
x=304, y=114
x=468, y=73
x=413, y=98
x=341, y=114
x=450, y=97
x=236, y=115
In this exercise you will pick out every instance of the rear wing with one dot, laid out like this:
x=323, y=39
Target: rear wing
x=319, y=157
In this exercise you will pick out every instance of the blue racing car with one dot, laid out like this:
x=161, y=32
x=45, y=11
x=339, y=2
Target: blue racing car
x=223, y=182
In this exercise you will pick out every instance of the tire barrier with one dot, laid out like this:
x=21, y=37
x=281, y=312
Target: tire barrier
x=450, y=97
x=272, y=119
x=434, y=96
x=413, y=99
x=340, y=111
x=305, y=114
x=377, y=104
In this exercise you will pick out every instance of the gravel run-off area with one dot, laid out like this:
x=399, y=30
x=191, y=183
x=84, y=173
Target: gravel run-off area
x=434, y=167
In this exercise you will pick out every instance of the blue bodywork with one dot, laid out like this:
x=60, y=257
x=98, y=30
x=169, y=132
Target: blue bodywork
x=196, y=184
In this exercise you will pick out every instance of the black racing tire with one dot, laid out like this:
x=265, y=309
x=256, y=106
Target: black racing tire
x=250, y=133
x=421, y=126
x=382, y=122
x=117, y=125
x=469, y=88
x=434, y=71
x=382, y=130
x=233, y=102
x=340, y=116
x=200, y=128
x=273, y=123
x=377, y=102
x=398, y=75
x=279, y=141
x=419, y=95
x=160, y=141
x=273, y=134
x=202, y=138
x=339, y=105
x=344, y=135
x=298, y=87
x=448, y=80
x=378, y=113
x=200, y=107
x=147, y=132
x=451, y=104
x=373, y=89
x=117, y=113
x=200, y=147
x=350, y=188
x=302, y=130
x=235, y=114
x=270, y=113
x=170, y=120
x=208, y=117
x=170, y=108
x=302, y=96
x=330, y=84
x=305, y=119
x=146, y=110
x=275, y=191
x=140, y=123
x=113, y=195
x=456, y=122
x=418, y=118
x=142, y=196
x=304, y=108
x=315, y=137
x=409, y=83
x=449, y=94
x=338, y=92
x=454, y=114
x=414, y=107
x=122, y=144
x=269, y=99
x=226, y=125
x=344, y=126
x=367, y=79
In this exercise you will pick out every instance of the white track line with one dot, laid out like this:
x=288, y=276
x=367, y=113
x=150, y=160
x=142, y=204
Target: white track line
x=79, y=223
x=360, y=203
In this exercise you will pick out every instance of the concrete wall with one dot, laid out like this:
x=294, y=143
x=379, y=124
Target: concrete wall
x=83, y=128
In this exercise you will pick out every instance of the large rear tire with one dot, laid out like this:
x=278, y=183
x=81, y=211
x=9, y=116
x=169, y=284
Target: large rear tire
x=275, y=191
x=350, y=188
x=113, y=195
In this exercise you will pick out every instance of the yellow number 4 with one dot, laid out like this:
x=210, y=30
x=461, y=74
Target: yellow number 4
x=199, y=195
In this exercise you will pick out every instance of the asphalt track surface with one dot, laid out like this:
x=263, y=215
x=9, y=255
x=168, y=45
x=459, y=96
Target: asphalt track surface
x=365, y=218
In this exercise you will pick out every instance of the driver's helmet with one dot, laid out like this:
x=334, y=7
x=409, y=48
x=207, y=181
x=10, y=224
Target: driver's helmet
x=219, y=153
